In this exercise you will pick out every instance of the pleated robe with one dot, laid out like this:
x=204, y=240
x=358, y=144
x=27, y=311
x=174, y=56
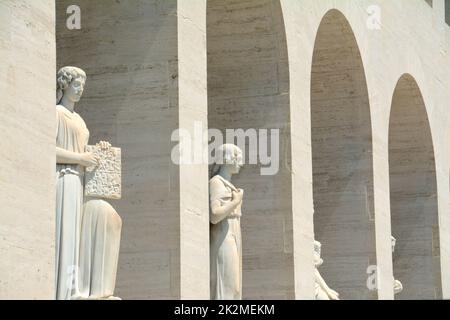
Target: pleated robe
x=99, y=249
x=226, y=245
x=72, y=135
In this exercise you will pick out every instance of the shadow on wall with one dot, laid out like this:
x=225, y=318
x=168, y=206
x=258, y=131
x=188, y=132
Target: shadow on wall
x=413, y=194
x=342, y=159
x=129, y=53
x=248, y=88
x=447, y=11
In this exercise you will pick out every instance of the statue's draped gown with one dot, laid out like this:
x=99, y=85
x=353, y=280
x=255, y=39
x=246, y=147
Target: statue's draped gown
x=88, y=230
x=226, y=245
x=320, y=293
x=71, y=135
x=99, y=250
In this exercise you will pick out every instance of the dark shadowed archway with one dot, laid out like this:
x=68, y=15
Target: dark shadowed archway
x=248, y=88
x=342, y=159
x=413, y=194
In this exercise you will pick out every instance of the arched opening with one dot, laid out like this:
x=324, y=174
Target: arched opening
x=342, y=159
x=413, y=194
x=129, y=50
x=248, y=88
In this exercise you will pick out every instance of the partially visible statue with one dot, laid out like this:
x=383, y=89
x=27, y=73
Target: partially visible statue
x=99, y=250
x=323, y=291
x=72, y=137
x=87, y=230
x=102, y=225
x=398, y=287
x=225, y=214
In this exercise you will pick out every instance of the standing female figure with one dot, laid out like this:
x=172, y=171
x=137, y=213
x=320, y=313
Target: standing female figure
x=72, y=137
x=225, y=214
x=87, y=230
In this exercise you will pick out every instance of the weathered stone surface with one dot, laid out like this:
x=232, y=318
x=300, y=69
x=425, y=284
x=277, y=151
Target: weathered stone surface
x=105, y=180
x=386, y=53
x=257, y=79
x=146, y=67
x=248, y=87
x=342, y=159
x=414, y=208
x=27, y=164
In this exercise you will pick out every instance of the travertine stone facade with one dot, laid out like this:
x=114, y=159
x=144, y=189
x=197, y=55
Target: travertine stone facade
x=323, y=72
x=414, y=210
x=248, y=87
x=387, y=53
x=158, y=49
x=342, y=159
x=27, y=166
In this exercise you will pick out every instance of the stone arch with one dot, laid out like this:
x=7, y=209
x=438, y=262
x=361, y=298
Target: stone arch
x=342, y=159
x=413, y=194
x=248, y=88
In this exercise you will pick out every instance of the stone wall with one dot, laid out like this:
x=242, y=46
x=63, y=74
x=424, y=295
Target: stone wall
x=248, y=88
x=27, y=165
x=146, y=65
x=405, y=37
x=130, y=54
x=414, y=210
x=342, y=159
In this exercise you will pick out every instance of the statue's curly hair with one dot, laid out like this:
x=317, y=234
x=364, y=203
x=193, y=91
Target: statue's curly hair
x=64, y=78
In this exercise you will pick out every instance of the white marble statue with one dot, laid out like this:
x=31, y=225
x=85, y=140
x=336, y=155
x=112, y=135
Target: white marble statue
x=398, y=287
x=99, y=250
x=225, y=214
x=322, y=290
x=87, y=230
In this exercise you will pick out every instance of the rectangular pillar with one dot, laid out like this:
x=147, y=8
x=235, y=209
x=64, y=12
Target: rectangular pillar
x=193, y=112
x=27, y=164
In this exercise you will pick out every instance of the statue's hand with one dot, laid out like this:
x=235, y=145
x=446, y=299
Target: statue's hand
x=104, y=145
x=238, y=196
x=88, y=159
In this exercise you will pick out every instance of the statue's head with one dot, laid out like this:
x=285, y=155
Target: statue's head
x=230, y=156
x=317, y=253
x=70, y=84
x=393, y=242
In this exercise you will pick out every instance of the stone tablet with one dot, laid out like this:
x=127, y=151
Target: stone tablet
x=104, y=181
